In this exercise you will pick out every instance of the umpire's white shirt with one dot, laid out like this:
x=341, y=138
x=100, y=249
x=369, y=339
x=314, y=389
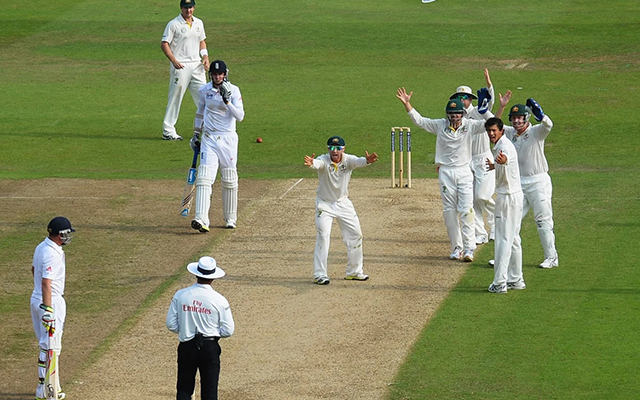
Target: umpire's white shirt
x=48, y=263
x=184, y=40
x=530, y=147
x=334, y=178
x=199, y=309
x=453, y=147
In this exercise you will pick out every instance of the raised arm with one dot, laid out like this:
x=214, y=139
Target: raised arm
x=405, y=98
x=504, y=100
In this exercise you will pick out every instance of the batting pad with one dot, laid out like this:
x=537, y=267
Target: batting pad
x=229, y=193
x=204, y=180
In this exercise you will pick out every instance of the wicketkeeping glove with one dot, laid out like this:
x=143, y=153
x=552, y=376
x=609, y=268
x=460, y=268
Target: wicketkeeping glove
x=195, y=142
x=484, y=97
x=48, y=318
x=535, y=109
x=225, y=91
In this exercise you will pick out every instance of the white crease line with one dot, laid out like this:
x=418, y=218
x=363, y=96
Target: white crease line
x=49, y=197
x=288, y=190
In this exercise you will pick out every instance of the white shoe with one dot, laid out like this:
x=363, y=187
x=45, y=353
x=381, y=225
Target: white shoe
x=456, y=254
x=171, y=136
x=231, y=224
x=427, y=1
x=519, y=285
x=492, y=262
x=497, y=288
x=468, y=256
x=492, y=236
x=359, y=277
x=199, y=226
x=323, y=280
x=550, y=262
x=481, y=239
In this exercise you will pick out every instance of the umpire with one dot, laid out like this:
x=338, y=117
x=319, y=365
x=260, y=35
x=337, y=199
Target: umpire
x=200, y=316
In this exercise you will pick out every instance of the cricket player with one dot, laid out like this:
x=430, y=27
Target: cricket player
x=183, y=42
x=534, y=177
x=483, y=180
x=200, y=316
x=508, y=211
x=214, y=132
x=334, y=173
x=453, y=157
x=48, y=308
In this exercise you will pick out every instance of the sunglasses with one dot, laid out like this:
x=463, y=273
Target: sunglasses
x=464, y=97
x=338, y=148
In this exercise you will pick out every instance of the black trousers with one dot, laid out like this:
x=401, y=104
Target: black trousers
x=194, y=355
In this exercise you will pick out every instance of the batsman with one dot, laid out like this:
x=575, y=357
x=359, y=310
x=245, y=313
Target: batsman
x=214, y=132
x=48, y=308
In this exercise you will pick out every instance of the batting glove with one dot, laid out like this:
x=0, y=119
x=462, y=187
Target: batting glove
x=536, y=110
x=48, y=318
x=195, y=142
x=225, y=91
x=484, y=97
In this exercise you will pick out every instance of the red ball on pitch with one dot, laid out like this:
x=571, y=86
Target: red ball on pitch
x=259, y=140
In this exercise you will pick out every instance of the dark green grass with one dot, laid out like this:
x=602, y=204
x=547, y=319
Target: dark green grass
x=84, y=88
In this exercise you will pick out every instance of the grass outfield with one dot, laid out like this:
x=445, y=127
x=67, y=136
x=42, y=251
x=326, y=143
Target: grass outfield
x=84, y=89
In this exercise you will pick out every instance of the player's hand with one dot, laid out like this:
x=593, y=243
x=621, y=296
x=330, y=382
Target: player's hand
x=535, y=109
x=501, y=158
x=177, y=65
x=225, y=91
x=195, y=142
x=487, y=77
x=205, y=62
x=308, y=161
x=371, y=158
x=404, y=96
x=48, y=318
x=504, y=100
x=490, y=166
x=484, y=97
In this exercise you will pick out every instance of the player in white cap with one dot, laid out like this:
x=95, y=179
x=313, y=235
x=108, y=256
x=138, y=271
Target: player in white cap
x=508, y=211
x=183, y=42
x=214, y=132
x=332, y=201
x=453, y=156
x=483, y=181
x=48, y=308
x=534, y=177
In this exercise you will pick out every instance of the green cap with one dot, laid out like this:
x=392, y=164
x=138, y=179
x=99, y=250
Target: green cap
x=335, y=141
x=187, y=3
x=455, y=106
x=518, y=109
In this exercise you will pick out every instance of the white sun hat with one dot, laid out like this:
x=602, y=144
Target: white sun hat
x=206, y=268
x=463, y=90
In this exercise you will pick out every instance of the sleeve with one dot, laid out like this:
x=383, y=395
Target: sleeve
x=235, y=105
x=429, y=125
x=357, y=162
x=167, y=36
x=203, y=36
x=172, y=316
x=493, y=98
x=477, y=126
x=543, y=129
x=227, y=325
x=317, y=163
x=51, y=263
x=198, y=122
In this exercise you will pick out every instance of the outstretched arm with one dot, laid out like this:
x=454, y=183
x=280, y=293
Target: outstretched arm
x=308, y=161
x=504, y=100
x=371, y=158
x=405, y=98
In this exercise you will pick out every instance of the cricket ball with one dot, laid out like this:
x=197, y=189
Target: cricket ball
x=259, y=140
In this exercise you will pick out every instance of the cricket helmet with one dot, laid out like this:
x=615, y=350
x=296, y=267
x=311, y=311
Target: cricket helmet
x=463, y=91
x=335, y=141
x=61, y=226
x=217, y=67
x=454, y=106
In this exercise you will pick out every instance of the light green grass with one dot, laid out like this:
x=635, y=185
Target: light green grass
x=84, y=89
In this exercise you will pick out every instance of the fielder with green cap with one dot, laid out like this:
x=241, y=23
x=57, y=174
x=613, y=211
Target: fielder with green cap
x=453, y=157
x=332, y=202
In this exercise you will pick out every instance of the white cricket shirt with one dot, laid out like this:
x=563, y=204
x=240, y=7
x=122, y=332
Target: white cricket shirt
x=334, y=178
x=48, y=263
x=219, y=117
x=184, y=40
x=507, y=175
x=453, y=147
x=199, y=309
x=530, y=147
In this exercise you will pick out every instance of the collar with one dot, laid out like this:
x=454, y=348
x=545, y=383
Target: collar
x=53, y=245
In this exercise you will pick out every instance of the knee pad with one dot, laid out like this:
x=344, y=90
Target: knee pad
x=229, y=178
x=204, y=176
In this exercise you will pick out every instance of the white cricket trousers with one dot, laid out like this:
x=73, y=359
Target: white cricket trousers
x=484, y=185
x=508, y=249
x=191, y=77
x=59, y=312
x=537, y=191
x=456, y=191
x=344, y=212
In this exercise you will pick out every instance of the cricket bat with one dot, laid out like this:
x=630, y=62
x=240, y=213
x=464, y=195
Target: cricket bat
x=50, y=386
x=190, y=188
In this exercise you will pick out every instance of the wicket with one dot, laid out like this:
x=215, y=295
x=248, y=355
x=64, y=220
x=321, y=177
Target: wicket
x=401, y=131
